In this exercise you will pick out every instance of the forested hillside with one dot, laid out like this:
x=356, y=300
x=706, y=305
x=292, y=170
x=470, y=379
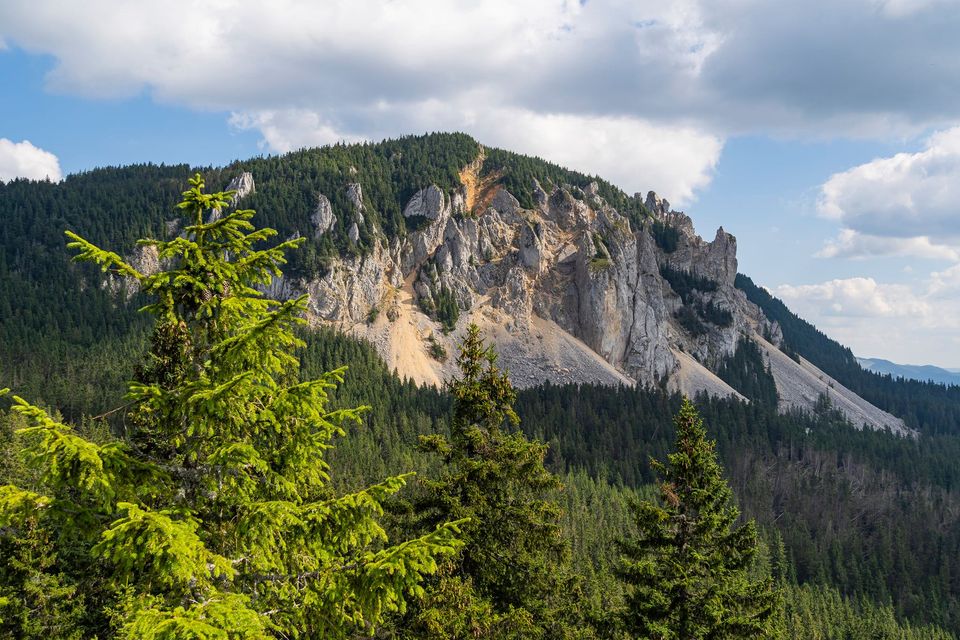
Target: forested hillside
x=930, y=407
x=859, y=528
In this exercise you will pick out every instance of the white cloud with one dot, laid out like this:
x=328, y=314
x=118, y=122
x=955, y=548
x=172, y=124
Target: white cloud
x=946, y=281
x=855, y=245
x=305, y=73
x=905, y=323
x=858, y=297
x=521, y=75
x=291, y=129
x=23, y=160
x=902, y=8
x=907, y=204
x=631, y=152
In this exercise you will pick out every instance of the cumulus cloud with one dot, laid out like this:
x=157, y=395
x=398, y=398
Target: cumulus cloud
x=907, y=204
x=859, y=297
x=855, y=245
x=697, y=71
x=946, y=281
x=906, y=323
x=23, y=160
x=633, y=153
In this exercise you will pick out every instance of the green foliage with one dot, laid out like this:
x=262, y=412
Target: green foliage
x=815, y=611
x=685, y=283
x=447, y=310
x=601, y=254
x=518, y=173
x=215, y=518
x=688, y=568
x=56, y=314
x=509, y=578
x=666, y=236
x=690, y=320
x=37, y=600
x=867, y=519
x=437, y=350
x=390, y=173
x=228, y=616
x=929, y=407
x=690, y=287
x=863, y=511
x=747, y=372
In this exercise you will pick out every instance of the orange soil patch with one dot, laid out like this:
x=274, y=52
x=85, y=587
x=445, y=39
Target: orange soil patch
x=478, y=192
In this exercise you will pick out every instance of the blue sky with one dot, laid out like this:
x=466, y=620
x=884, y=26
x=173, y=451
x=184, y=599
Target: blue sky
x=825, y=134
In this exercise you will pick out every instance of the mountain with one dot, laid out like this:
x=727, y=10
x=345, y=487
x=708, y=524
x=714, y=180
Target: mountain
x=613, y=299
x=924, y=406
x=924, y=372
x=573, y=280
x=411, y=240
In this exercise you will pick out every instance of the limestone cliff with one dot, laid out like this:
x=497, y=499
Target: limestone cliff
x=570, y=289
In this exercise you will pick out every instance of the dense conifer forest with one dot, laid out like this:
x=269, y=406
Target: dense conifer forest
x=857, y=529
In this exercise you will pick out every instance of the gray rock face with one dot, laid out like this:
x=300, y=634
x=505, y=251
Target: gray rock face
x=531, y=249
x=322, y=217
x=622, y=314
x=715, y=261
x=347, y=293
x=243, y=185
x=567, y=282
x=504, y=202
x=355, y=196
x=576, y=263
x=144, y=259
x=428, y=202
x=657, y=206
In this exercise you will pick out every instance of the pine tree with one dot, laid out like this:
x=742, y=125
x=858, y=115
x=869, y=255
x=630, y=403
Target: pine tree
x=215, y=519
x=510, y=580
x=688, y=569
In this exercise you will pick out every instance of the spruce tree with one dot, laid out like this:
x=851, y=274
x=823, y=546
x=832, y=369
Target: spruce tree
x=510, y=580
x=688, y=569
x=215, y=518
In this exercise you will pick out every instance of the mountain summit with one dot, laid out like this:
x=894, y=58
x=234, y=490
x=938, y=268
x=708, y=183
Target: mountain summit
x=574, y=280
x=410, y=240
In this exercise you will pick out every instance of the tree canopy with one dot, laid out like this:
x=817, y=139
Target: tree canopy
x=689, y=566
x=214, y=517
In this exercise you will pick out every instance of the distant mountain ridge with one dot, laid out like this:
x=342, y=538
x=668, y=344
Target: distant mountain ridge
x=923, y=372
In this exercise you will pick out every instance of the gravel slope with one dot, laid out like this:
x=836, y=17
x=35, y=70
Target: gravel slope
x=801, y=384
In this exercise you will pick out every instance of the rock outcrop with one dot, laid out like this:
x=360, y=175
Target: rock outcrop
x=243, y=185
x=428, y=202
x=322, y=217
x=571, y=290
x=355, y=196
x=575, y=262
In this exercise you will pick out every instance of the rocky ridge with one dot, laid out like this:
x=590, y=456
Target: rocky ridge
x=569, y=291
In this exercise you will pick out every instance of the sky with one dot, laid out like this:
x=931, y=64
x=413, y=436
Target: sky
x=824, y=134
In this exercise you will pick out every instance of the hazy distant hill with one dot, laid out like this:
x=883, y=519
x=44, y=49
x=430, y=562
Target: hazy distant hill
x=922, y=372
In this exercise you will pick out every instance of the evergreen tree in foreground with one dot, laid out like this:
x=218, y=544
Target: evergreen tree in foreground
x=511, y=578
x=214, y=518
x=688, y=569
